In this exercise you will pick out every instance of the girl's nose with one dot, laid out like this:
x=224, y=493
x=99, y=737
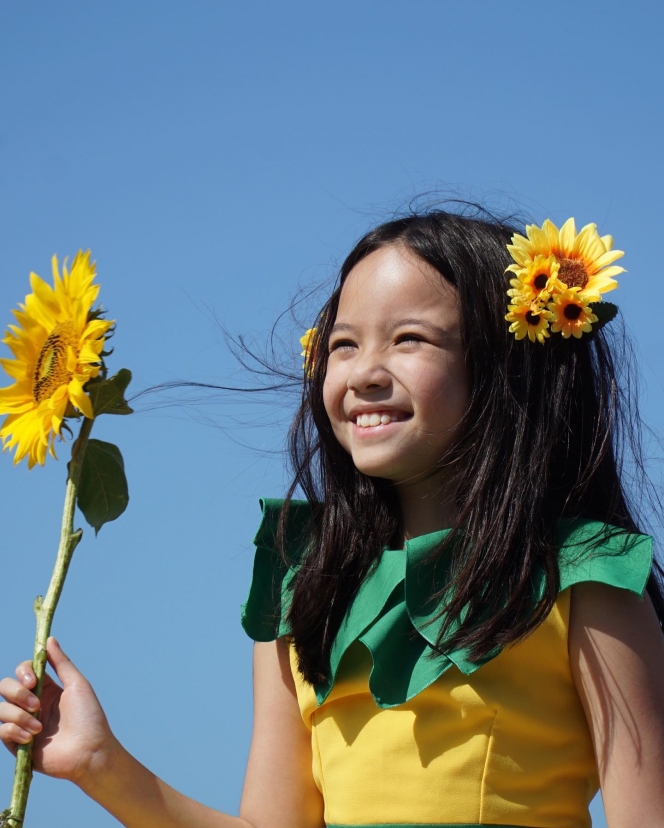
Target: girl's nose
x=368, y=373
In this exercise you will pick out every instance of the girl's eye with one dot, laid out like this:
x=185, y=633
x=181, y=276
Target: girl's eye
x=341, y=345
x=409, y=337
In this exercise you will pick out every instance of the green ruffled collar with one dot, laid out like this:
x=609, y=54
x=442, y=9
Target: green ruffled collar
x=392, y=612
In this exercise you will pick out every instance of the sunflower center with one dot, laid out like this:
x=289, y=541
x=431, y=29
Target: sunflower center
x=51, y=370
x=572, y=312
x=540, y=281
x=532, y=318
x=573, y=273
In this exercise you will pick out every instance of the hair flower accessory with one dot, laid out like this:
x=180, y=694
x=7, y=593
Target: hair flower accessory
x=559, y=278
x=307, y=343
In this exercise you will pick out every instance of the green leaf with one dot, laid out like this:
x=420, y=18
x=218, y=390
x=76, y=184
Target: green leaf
x=102, y=491
x=605, y=312
x=107, y=396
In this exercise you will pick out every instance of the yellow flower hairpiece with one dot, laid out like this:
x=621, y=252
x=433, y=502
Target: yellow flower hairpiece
x=559, y=278
x=307, y=343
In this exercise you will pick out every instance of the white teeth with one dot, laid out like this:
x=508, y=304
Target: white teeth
x=372, y=420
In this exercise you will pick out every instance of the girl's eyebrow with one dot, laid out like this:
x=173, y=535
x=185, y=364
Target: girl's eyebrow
x=341, y=326
x=423, y=323
x=411, y=320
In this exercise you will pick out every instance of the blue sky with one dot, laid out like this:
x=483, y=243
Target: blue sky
x=218, y=158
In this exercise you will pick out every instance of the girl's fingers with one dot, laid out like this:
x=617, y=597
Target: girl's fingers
x=62, y=665
x=10, y=714
x=17, y=694
x=12, y=735
x=25, y=674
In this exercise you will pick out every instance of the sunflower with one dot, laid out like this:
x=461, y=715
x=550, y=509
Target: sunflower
x=307, y=342
x=571, y=314
x=585, y=259
x=528, y=320
x=57, y=347
x=536, y=281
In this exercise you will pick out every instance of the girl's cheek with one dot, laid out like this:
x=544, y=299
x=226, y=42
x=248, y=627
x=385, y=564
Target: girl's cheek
x=331, y=397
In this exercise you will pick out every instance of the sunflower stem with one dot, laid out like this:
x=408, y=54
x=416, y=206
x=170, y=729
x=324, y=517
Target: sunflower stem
x=44, y=612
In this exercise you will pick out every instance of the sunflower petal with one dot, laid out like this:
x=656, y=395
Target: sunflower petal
x=567, y=237
x=552, y=233
x=610, y=272
x=80, y=399
x=520, y=255
x=539, y=239
x=607, y=258
x=13, y=368
x=97, y=328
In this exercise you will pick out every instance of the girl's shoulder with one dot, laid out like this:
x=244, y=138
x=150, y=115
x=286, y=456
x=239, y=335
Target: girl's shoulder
x=263, y=613
x=594, y=551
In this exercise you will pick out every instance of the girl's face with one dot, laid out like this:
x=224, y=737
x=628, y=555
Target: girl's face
x=396, y=385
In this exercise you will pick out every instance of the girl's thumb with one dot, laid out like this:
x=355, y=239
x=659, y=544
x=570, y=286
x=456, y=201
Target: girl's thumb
x=63, y=667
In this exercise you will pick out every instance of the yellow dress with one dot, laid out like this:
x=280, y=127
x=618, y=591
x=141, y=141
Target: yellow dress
x=403, y=739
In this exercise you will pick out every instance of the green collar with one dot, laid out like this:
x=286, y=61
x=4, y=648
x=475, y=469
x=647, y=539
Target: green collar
x=393, y=610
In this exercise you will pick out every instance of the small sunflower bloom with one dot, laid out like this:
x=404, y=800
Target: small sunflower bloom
x=527, y=319
x=536, y=281
x=586, y=259
x=57, y=347
x=307, y=343
x=572, y=314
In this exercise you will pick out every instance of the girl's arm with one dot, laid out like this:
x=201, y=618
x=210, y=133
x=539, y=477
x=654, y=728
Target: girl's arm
x=279, y=789
x=617, y=657
x=75, y=742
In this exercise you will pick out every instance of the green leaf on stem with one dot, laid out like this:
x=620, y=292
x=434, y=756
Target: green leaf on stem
x=107, y=396
x=102, y=491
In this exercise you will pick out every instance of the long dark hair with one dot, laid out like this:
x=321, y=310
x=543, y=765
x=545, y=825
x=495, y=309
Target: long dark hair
x=544, y=437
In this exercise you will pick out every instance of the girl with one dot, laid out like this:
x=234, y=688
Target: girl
x=459, y=626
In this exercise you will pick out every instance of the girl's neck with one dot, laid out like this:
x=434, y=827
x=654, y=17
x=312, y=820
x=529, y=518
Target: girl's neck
x=426, y=506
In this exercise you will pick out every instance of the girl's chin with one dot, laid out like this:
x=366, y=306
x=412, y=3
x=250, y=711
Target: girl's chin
x=384, y=468
x=403, y=469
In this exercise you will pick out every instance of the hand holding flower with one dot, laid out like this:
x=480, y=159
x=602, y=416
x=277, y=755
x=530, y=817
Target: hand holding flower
x=73, y=739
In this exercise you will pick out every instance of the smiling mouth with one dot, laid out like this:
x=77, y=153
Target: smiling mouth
x=376, y=418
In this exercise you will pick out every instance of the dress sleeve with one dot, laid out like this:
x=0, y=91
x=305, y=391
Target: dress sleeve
x=264, y=612
x=594, y=551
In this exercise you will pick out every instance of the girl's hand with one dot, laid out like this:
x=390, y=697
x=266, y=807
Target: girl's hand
x=72, y=738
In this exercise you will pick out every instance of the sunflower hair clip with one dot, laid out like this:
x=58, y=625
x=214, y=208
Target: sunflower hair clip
x=559, y=278
x=309, y=353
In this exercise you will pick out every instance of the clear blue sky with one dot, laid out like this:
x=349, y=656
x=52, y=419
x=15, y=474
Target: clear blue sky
x=217, y=157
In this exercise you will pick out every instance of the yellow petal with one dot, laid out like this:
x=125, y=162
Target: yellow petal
x=89, y=353
x=610, y=272
x=72, y=359
x=552, y=234
x=520, y=256
x=567, y=237
x=606, y=258
x=15, y=369
x=97, y=328
x=56, y=275
x=588, y=244
x=80, y=399
x=539, y=239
